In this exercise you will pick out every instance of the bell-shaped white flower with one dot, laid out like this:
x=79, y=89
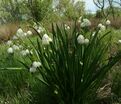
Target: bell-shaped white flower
x=25, y=52
x=36, y=64
x=86, y=41
x=10, y=50
x=103, y=28
x=39, y=31
x=15, y=47
x=20, y=32
x=46, y=39
x=100, y=25
x=29, y=33
x=119, y=41
x=9, y=42
x=32, y=69
x=80, y=39
x=25, y=34
x=108, y=22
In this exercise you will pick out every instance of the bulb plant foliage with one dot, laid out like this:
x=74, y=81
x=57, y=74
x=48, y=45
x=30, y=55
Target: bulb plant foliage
x=74, y=67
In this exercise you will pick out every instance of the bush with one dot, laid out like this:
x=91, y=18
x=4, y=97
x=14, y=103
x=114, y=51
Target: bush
x=71, y=65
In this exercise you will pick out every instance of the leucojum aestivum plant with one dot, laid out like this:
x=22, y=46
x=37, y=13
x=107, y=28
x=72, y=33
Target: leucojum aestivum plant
x=73, y=61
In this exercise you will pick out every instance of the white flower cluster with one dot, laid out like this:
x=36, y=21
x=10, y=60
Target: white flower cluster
x=101, y=27
x=12, y=47
x=34, y=67
x=19, y=48
x=85, y=23
x=20, y=34
x=25, y=52
x=46, y=39
x=82, y=40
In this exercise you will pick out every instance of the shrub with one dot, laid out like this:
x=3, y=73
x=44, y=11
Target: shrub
x=73, y=66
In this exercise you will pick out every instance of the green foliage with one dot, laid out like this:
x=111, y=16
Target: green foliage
x=73, y=72
x=39, y=8
x=116, y=84
x=41, y=94
x=13, y=10
x=70, y=9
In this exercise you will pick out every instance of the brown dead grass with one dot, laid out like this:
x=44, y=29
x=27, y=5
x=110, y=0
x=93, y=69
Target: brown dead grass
x=8, y=30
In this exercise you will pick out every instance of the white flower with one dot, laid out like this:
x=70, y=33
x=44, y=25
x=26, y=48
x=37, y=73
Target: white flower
x=10, y=50
x=102, y=28
x=32, y=69
x=9, y=42
x=46, y=39
x=15, y=47
x=20, y=32
x=85, y=23
x=39, y=31
x=36, y=64
x=81, y=63
x=25, y=52
x=56, y=92
x=99, y=25
x=29, y=33
x=67, y=27
x=119, y=41
x=108, y=22
x=25, y=34
x=86, y=41
x=80, y=39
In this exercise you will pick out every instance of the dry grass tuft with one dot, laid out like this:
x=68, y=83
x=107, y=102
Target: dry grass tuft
x=8, y=30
